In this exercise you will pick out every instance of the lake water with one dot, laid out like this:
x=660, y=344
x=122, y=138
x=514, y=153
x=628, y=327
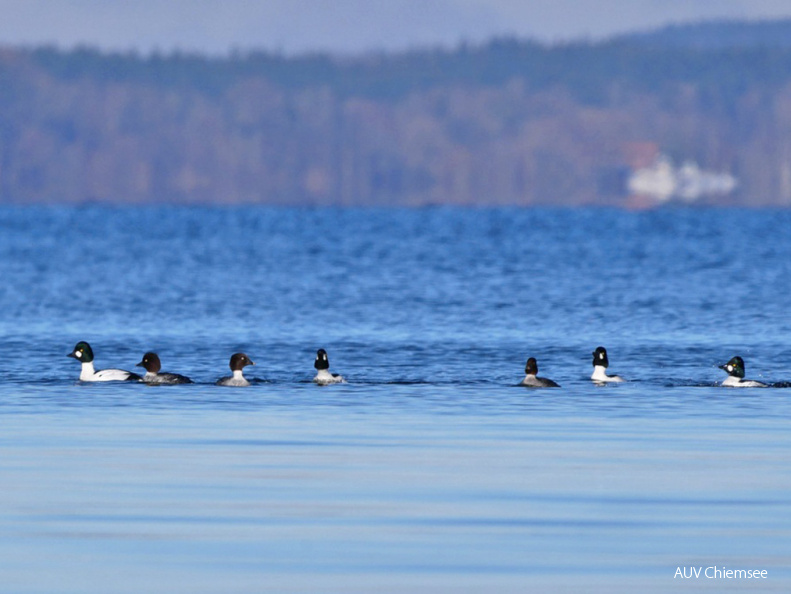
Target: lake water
x=429, y=470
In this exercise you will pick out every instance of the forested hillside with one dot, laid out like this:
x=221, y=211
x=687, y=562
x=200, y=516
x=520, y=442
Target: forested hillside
x=506, y=123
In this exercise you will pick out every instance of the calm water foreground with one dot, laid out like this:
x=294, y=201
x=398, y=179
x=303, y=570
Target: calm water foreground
x=429, y=471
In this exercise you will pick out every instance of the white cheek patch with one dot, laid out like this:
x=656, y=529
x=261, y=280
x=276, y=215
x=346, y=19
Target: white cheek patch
x=729, y=368
x=78, y=354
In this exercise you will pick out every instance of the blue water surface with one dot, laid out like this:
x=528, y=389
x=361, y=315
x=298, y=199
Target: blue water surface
x=429, y=470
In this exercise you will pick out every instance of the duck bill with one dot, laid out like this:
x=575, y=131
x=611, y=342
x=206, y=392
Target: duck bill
x=72, y=354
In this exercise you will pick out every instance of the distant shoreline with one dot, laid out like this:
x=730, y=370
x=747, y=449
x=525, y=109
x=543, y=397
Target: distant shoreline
x=507, y=123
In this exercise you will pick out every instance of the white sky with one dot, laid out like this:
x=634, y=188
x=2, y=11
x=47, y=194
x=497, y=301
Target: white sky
x=348, y=26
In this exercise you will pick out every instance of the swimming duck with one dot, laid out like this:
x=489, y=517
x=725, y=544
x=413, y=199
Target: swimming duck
x=735, y=379
x=153, y=376
x=323, y=375
x=531, y=380
x=84, y=354
x=600, y=365
x=238, y=362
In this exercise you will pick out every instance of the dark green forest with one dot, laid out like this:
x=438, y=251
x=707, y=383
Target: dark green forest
x=509, y=122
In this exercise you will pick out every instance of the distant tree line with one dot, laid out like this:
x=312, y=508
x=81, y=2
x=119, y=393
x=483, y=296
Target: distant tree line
x=509, y=122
